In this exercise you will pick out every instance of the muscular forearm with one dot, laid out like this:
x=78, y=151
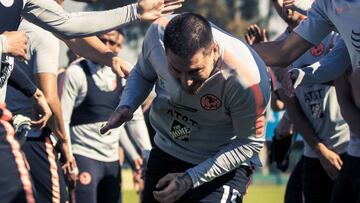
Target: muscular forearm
x=226, y=160
x=91, y=48
x=48, y=84
x=50, y=16
x=287, y=50
x=56, y=121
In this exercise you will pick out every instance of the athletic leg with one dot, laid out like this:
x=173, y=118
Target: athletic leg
x=90, y=173
x=109, y=188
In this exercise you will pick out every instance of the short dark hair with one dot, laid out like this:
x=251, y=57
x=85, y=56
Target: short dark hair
x=186, y=33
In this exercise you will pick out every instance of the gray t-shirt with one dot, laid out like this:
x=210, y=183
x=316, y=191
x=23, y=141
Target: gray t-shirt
x=320, y=105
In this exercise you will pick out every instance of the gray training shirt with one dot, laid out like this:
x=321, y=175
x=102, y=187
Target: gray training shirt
x=214, y=128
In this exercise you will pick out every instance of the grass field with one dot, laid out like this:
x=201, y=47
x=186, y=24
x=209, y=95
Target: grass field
x=256, y=194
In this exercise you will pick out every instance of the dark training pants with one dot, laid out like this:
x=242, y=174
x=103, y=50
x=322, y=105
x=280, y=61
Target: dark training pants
x=98, y=181
x=228, y=188
x=45, y=170
x=15, y=183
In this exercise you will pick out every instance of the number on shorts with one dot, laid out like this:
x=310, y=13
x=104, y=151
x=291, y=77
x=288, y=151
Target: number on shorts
x=226, y=194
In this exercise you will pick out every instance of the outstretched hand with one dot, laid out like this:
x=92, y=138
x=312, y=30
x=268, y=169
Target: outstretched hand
x=117, y=118
x=153, y=9
x=256, y=35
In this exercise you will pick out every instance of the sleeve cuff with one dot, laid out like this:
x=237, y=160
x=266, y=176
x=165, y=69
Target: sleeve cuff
x=3, y=44
x=300, y=76
x=192, y=175
x=136, y=10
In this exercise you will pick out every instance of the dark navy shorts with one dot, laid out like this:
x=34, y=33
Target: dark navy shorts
x=228, y=188
x=98, y=181
x=45, y=170
x=15, y=183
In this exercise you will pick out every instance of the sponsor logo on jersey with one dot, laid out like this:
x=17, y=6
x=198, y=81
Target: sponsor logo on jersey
x=85, y=178
x=210, y=102
x=179, y=116
x=7, y=3
x=180, y=131
x=317, y=50
x=314, y=100
x=355, y=38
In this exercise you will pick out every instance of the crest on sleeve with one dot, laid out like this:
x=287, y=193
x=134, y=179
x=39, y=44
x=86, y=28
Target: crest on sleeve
x=317, y=50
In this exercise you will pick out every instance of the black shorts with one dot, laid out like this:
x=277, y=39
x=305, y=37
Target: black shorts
x=98, y=181
x=294, y=187
x=317, y=185
x=15, y=183
x=45, y=170
x=347, y=185
x=230, y=187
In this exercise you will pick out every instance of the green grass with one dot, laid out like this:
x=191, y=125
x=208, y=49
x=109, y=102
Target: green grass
x=265, y=194
x=256, y=194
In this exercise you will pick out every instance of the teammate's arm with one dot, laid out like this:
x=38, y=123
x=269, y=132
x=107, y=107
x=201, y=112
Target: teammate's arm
x=45, y=67
x=92, y=48
x=50, y=16
x=287, y=50
x=138, y=86
x=330, y=161
x=309, y=32
x=20, y=81
x=329, y=67
x=48, y=84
